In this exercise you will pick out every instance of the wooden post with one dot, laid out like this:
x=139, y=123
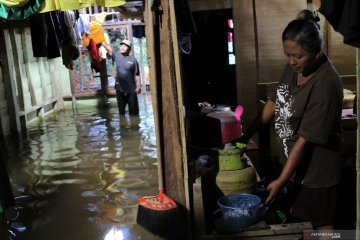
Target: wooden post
x=167, y=94
x=9, y=84
x=19, y=64
x=13, y=57
x=171, y=119
x=199, y=217
x=141, y=62
x=180, y=102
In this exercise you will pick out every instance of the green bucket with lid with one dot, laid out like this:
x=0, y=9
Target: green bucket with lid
x=231, y=159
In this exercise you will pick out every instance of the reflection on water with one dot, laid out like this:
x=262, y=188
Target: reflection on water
x=77, y=175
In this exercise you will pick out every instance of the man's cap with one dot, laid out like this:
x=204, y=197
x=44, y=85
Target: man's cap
x=126, y=42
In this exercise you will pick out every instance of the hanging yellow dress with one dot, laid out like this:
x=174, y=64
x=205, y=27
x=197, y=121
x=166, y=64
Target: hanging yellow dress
x=110, y=3
x=50, y=5
x=64, y=5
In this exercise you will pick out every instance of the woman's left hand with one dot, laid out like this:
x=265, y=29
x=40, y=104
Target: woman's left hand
x=273, y=189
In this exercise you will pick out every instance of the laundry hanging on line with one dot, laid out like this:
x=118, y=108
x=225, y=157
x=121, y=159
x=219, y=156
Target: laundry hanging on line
x=22, y=9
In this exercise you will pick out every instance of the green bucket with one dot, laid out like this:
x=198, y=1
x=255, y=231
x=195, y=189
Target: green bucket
x=230, y=159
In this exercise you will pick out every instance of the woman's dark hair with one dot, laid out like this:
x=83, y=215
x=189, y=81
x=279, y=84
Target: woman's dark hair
x=305, y=31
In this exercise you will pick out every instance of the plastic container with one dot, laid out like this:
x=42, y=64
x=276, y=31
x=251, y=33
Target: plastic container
x=236, y=181
x=230, y=159
x=230, y=128
x=240, y=210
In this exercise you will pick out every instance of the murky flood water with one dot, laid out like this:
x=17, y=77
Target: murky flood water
x=77, y=175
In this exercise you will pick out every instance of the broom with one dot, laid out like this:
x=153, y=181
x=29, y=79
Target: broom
x=159, y=214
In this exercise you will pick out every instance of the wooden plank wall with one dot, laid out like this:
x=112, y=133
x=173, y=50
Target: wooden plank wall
x=32, y=85
x=4, y=120
x=171, y=131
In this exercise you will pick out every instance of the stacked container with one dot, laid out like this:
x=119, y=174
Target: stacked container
x=235, y=175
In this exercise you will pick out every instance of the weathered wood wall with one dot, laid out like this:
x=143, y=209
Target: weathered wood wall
x=4, y=119
x=31, y=86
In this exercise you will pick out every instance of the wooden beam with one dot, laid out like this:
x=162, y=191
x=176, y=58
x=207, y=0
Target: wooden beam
x=180, y=103
x=199, y=216
x=172, y=149
x=130, y=15
x=151, y=34
x=9, y=82
x=14, y=59
x=141, y=62
x=28, y=69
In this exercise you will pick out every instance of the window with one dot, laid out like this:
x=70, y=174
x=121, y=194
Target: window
x=230, y=42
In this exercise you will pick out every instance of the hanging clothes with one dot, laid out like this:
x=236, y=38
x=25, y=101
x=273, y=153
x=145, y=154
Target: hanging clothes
x=96, y=34
x=26, y=9
x=50, y=5
x=110, y=3
x=95, y=55
x=73, y=5
x=46, y=34
x=344, y=17
x=14, y=3
x=70, y=50
x=100, y=17
x=83, y=24
x=64, y=5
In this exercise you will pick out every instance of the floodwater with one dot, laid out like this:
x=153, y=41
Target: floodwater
x=78, y=174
